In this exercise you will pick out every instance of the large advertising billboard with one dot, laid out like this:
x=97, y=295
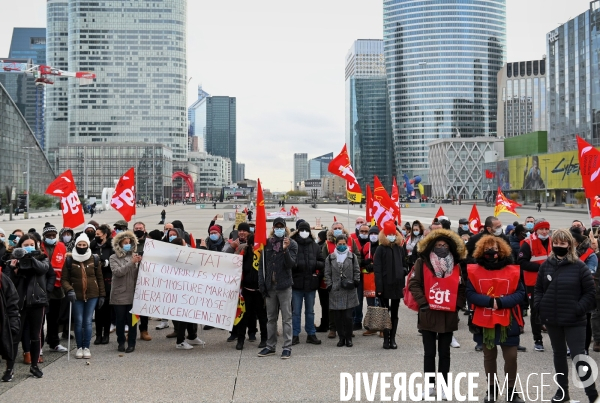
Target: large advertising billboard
x=546, y=171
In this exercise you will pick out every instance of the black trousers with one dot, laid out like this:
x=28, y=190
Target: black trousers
x=324, y=301
x=52, y=322
x=103, y=315
x=443, y=348
x=343, y=322
x=534, y=316
x=33, y=320
x=255, y=309
x=143, y=323
x=181, y=327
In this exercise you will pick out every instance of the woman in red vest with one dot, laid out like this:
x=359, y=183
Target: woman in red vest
x=494, y=289
x=438, y=287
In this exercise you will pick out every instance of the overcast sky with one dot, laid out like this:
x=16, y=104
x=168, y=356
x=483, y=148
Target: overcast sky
x=284, y=61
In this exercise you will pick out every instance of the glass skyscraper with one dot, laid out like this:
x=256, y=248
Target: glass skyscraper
x=442, y=60
x=28, y=43
x=317, y=167
x=368, y=124
x=221, y=129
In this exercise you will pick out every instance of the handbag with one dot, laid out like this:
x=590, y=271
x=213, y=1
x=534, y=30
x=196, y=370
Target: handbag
x=377, y=318
x=409, y=300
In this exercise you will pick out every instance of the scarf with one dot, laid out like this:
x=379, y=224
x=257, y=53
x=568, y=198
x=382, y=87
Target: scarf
x=412, y=242
x=81, y=258
x=442, y=266
x=341, y=256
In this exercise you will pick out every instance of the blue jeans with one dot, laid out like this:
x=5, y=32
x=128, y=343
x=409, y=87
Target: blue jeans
x=82, y=320
x=309, y=311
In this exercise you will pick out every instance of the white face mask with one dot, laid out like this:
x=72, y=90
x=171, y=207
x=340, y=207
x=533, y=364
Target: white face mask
x=391, y=238
x=416, y=233
x=358, y=226
x=363, y=236
x=373, y=237
x=543, y=237
x=498, y=232
x=303, y=234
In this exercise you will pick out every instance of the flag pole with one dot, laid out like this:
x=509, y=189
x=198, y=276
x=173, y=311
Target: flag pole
x=348, y=204
x=587, y=203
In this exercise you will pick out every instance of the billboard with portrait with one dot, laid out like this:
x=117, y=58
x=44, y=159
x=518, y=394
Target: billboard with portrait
x=547, y=171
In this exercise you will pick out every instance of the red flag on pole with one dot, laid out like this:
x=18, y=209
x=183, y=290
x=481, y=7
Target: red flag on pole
x=505, y=205
x=440, y=212
x=340, y=166
x=369, y=206
x=123, y=200
x=474, y=220
x=64, y=187
x=383, y=209
x=260, y=231
x=589, y=166
x=395, y=198
x=595, y=209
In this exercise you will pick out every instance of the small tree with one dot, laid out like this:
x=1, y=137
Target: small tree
x=40, y=201
x=293, y=193
x=580, y=197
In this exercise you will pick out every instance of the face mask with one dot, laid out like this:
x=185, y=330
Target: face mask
x=490, y=254
x=358, y=226
x=529, y=225
x=342, y=248
x=90, y=235
x=363, y=236
x=29, y=249
x=391, y=238
x=498, y=232
x=173, y=237
x=373, y=237
x=279, y=232
x=465, y=227
x=127, y=247
x=560, y=251
x=67, y=238
x=543, y=237
x=3, y=239
x=416, y=233
x=337, y=232
x=403, y=232
x=166, y=232
x=50, y=241
x=303, y=234
x=98, y=239
x=251, y=229
x=139, y=233
x=118, y=230
x=441, y=252
x=214, y=237
x=81, y=251
x=15, y=241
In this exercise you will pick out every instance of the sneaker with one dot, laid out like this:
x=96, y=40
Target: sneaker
x=184, y=346
x=454, y=343
x=295, y=340
x=79, y=353
x=196, y=342
x=538, y=346
x=59, y=349
x=521, y=349
x=232, y=337
x=8, y=375
x=568, y=352
x=126, y=329
x=87, y=353
x=252, y=337
x=285, y=354
x=112, y=328
x=444, y=396
x=266, y=352
x=162, y=325
x=35, y=371
x=427, y=394
x=479, y=347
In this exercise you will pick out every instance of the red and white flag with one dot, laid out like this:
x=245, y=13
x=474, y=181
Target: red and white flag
x=123, y=199
x=383, y=209
x=64, y=187
x=340, y=166
x=440, y=212
x=474, y=220
x=396, y=206
x=589, y=166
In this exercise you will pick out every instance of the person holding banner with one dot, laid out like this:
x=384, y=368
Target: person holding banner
x=564, y=294
x=438, y=268
x=495, y=291
x=124, y=265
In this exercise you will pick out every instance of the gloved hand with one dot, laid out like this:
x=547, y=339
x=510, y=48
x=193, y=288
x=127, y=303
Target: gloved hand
x=71, y=295
x=424, y=308
x=329, y=289
x=100, y=302
x=356, y=283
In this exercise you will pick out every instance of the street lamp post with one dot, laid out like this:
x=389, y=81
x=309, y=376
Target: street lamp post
x=546, y=181
x=27, y=189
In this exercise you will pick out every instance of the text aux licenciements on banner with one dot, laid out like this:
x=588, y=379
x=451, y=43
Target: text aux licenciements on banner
x=188, y=285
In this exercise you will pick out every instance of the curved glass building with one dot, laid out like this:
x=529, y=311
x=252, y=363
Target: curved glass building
x=442, y=60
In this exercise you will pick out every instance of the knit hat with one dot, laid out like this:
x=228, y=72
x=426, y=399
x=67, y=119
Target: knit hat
x=577, y=233
x=244, y=227
x=463, y=221
x=322, y=235
x=303, y=226
x=541, y=224
x=156, y=234
x=300, y=221
x=2, y=231
x=389, y=228
x=89, y=226
x=215, y=228
x=82, y=238
x=31, y=231
x=279, y=220
x=509, y=228
x=373, y=230
x=122, y=223
x=49, y=228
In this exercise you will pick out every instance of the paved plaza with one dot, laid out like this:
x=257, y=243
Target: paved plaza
x=157, y=372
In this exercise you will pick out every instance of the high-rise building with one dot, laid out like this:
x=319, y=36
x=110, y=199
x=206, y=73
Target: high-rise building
x=522, y=98
x=197, y=119
x=240, y=171
x=300, y=169
x=442, y=61
x=214, y=173
x=221, y=128
x=317, y=167
x=28, y=43
x=368, y=124
x=139, y=57
x=573, y=83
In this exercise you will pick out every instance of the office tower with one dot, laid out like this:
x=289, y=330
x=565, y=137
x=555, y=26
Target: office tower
x=442, y=61
x=240, y=171
x=300, y=169
x=368, y=124
x=28, y=43
x=197, y=119
x=221, y=128
x=317, y=167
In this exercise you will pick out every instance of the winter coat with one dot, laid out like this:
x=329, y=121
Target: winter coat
x=104, y=252
x=278, y=264
x=309, y=268
x=249, y=273
x=388, y=265
x=434, y=320
x=325, y=252
x=71, y=244
x=10, y=318
x=410, y=257
x=515, y=245
x=564, y=292
x=592, y=260
x=73, y=274
x=31, y=279
x=339, y=298
x=124, y=270
x=217, y=246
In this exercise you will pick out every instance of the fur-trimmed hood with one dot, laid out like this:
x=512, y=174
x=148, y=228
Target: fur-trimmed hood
x=272, y=232
x=383, y=241
x=426, y=244
x=117, y=240
x=331, y=238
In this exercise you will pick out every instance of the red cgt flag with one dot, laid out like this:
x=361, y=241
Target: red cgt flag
x=440, y=212
x=383, y=209
x=123, y=199
x=396, y=206
x=369, y=206
x=474, y=220
x=589, y=166
x=260, y=232
x=64, y=187
x=505, y=205
x=595, y=207
x=340, y=166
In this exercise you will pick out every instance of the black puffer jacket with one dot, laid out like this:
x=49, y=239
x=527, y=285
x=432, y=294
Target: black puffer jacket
x=310, y=266
x=10, y=319
x=389, y=267
x=104, y=252
x=564, y=292
x=31, y=279
x=278, y=264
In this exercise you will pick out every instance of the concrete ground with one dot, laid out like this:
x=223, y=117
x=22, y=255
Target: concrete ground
x=156, y=371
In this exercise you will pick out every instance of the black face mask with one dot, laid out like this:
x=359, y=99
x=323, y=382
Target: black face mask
x=441, y=252
x=90, y=235
x=139, y=233
x=560, y=251
x=98, y=239
x=81, y=251
x=490, y=254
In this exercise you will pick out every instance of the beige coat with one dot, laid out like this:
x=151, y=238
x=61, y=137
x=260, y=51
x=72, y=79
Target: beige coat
x=124, y=270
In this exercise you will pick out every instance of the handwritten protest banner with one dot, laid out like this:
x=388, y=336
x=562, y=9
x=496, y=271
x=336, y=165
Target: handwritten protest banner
x=188, y=285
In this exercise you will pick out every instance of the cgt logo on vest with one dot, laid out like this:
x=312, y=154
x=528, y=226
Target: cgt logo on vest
x=438, y=295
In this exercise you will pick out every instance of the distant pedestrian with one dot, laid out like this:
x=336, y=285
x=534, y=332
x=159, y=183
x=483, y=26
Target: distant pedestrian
x=539, y=207
x=163, y=216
